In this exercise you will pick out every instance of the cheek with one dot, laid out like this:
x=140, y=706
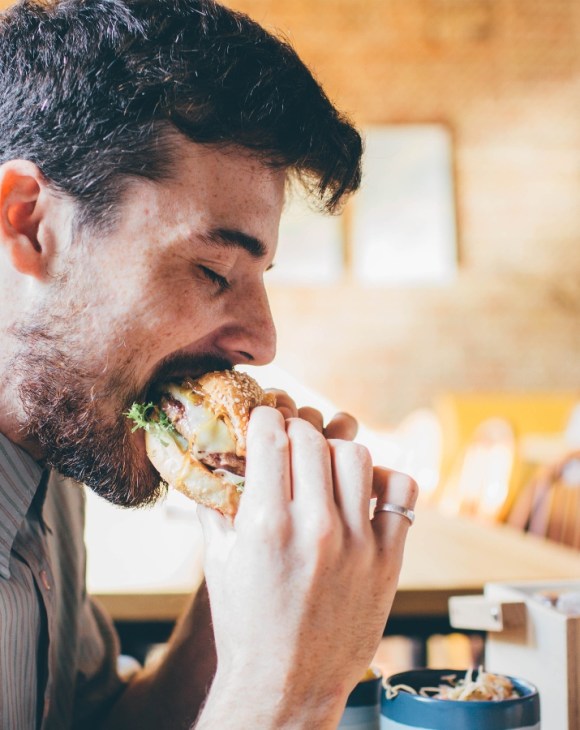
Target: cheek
x=157, y=314
x=176, y=325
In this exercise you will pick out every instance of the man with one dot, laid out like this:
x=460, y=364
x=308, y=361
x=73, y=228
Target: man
x=146, y=148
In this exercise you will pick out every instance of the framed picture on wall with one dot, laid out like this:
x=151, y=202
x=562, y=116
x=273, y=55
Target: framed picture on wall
x=310, y=246
x=403, y=217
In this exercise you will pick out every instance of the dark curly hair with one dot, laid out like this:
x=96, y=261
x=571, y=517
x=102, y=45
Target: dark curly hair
x=93, y=91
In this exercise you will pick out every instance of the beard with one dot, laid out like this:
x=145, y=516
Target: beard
x=76, y=416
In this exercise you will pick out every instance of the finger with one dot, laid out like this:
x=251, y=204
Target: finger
x=213, y=524
x=312, y=416
x=396, y=488
x=342, y=426
x=284, y=401
x=312, y=488
x=353, y=478
x=286, y=412
x=217, y=535
x=267, y=482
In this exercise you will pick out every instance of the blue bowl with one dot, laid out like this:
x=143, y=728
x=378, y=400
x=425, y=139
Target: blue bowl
x=407, y=711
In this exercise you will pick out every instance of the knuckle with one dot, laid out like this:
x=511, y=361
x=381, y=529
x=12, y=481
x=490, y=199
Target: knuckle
x=361, y=549
x=405, y=484
x=413, y=489
x=264, y=420
x=362, y=454
x=302, y=430
x=323, y=532
x=354, y=452
x=273, y=528
x=274, y=439
x=327, y=530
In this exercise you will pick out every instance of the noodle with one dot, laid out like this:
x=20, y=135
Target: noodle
x=487, y=687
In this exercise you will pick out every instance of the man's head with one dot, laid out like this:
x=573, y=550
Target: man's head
x=145, y=149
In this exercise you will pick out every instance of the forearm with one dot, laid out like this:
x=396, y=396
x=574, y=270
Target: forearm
x=171, y=693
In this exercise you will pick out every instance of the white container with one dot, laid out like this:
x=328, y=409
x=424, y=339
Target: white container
x=529, y=637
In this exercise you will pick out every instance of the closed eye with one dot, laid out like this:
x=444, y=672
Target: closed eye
x=222, y=283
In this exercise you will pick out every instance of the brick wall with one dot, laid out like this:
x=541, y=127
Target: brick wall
x=505, y=75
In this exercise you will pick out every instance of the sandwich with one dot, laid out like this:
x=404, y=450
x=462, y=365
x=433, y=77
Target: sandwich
x=195, y=435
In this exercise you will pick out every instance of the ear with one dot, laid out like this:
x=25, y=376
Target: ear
x=21, y=188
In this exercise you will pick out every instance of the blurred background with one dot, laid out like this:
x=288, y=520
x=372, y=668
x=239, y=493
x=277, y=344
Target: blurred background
x=502, y=77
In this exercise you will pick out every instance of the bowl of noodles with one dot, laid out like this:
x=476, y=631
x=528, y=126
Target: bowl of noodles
x=446, y=699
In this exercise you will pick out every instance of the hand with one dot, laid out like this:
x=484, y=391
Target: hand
x=342, y=425
x=301, y=585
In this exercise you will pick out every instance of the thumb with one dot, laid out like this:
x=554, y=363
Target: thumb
x=218, y=535
x=211, y=523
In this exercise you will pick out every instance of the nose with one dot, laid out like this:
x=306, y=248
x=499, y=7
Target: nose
x=250, y=335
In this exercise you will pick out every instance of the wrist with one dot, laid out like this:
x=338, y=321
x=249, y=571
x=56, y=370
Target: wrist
x=238, y=701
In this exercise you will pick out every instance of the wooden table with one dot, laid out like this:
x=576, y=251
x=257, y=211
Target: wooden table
x=144, y=565
x=447, y=556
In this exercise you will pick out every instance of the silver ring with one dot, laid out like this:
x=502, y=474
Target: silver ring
x=396, y=509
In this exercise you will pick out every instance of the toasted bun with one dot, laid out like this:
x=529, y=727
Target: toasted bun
x=190, y=477
x=230, y=396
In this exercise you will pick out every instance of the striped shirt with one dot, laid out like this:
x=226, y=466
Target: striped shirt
x=58, y=649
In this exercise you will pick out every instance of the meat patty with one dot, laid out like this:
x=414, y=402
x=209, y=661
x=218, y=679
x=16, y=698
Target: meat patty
x=175, y=411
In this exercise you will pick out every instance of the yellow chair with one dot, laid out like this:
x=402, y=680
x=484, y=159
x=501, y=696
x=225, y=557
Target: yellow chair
x=461, y=414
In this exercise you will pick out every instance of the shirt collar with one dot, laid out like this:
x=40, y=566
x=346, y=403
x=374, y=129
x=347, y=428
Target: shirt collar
x=20, y=477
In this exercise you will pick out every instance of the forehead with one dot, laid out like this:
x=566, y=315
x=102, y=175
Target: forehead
x=226, y=188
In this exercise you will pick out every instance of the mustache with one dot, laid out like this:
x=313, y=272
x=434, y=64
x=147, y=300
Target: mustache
x=179, y=366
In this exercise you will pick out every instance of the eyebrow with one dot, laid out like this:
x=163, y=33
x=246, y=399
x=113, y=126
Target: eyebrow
x=232, y=238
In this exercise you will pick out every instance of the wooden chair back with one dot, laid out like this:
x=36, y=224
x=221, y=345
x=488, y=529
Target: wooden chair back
x=549, y=505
